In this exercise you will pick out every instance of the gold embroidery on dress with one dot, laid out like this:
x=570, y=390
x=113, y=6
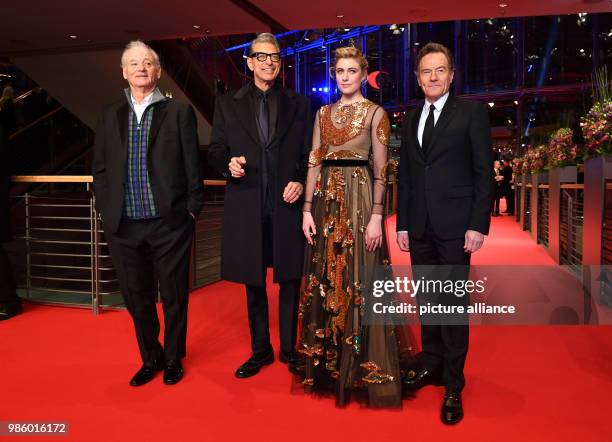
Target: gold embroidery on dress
x=333, y=136
x=383, y=129
x=375, y=374
x=383, y=173
x=342, y=154
x=315, y=157
x=331, y=287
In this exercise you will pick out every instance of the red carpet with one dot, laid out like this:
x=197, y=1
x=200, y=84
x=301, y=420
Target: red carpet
x=524, y=383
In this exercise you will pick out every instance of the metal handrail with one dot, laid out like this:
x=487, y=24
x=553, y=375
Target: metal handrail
x=64, y=247
x=79, y=179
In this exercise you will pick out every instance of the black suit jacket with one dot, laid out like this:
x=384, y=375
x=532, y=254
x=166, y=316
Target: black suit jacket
x=235, y=134
x=5, y=182
x=453, y=184
x=174, y=165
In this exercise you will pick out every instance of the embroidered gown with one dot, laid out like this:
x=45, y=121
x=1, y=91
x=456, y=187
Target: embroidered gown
x=346, y=185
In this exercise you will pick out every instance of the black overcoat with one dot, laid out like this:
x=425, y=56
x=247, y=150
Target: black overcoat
x=235, y=134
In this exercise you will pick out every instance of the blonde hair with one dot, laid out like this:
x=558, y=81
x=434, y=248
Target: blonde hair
x=351, y=52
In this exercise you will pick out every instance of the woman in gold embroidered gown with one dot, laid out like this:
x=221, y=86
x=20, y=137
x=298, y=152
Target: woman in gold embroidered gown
x=343, y=223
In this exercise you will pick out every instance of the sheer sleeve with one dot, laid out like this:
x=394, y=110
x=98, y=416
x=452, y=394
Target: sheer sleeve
x=380, y=144
x=314, y=165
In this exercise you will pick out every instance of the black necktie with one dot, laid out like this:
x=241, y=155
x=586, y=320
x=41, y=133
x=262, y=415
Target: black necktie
x=428, y=130
x=264, y=119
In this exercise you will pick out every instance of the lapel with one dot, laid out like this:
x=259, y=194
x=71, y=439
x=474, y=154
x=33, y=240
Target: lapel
x=286, y=111
x=122, y=124
x=415, y=130
x=243, y=110
x=159, y=114
x=448, y=111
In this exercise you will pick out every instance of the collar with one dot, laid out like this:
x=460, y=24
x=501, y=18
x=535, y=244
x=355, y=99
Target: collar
x=154, y=97
x=438, y=104
x=257, y=93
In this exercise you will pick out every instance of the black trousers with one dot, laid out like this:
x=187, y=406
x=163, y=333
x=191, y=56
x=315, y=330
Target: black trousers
x=444, y=339
x=257, y=304
x=496, y=198
x=8, y=289
x=140, y=250
x=509, y=194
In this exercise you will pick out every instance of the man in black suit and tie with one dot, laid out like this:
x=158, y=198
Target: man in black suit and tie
x=507, y=190
x=498, y=187
x=260, y=141
x=444, y=203
x=148, y=190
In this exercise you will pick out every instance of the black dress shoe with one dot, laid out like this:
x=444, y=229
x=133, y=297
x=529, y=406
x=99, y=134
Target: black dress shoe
x=173, y=372
x=419, y=378
x=254, y=364
x=293, y=360
x=146, y=374
x=452, y=409
x=7, y=311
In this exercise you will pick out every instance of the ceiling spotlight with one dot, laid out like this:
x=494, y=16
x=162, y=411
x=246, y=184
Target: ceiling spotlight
x=347, y=29
x=393, y=27
x=196, y=26
x=74, y=37
x=340, y=16
x=503, y=5
x=491, y=104
x=515, y=101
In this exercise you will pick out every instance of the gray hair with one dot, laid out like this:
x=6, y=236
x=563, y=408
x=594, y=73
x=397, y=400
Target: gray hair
x=264, y=37
x=138, y=44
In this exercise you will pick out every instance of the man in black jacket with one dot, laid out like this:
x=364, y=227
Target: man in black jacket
x=148, y=190
x=444, y=203
x=260, y=141
x=10, y=304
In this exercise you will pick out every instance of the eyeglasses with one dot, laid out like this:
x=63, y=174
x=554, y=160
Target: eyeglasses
x=263, y=56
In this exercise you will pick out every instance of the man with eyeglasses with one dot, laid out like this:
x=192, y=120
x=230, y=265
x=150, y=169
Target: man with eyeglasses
x=260, y=142
x=443, y=214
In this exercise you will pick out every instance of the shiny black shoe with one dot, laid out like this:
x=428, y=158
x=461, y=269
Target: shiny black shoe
x=294, y=362
x=7, y=311
x=254, y=364
x=452, y=409
x=419, y=378
x=173, y=372
x=146, y=374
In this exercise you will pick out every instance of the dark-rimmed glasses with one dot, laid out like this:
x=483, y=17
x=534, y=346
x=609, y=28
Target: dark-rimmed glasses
x=263, y=56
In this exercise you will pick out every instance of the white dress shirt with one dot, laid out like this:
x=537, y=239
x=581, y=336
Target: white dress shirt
x=140, y=108
x=439, y=104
